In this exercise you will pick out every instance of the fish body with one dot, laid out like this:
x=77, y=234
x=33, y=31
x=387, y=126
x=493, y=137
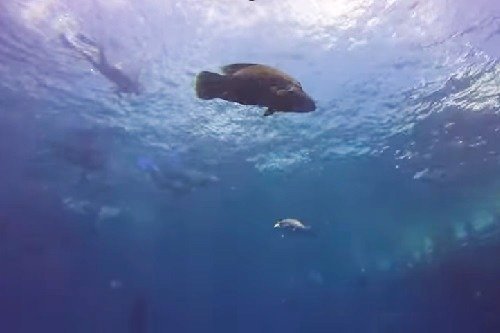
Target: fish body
x=291, y=224
x=83, y=45
x=255, y=84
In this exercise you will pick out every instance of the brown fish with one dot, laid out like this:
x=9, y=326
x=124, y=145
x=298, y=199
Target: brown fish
x=254, y=84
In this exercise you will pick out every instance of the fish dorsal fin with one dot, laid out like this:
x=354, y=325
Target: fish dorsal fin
x=233, y=68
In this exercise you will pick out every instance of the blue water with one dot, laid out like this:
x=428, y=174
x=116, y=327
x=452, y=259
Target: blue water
x=154, y=212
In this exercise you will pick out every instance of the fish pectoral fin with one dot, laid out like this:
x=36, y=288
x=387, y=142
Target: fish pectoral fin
x=281, y=91
x=277, y=91
x=269, y=112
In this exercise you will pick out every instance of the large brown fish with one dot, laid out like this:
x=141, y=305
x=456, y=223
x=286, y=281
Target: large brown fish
x=254, y=84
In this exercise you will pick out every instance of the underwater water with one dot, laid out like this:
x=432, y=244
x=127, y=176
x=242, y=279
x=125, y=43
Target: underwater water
x=129, y=205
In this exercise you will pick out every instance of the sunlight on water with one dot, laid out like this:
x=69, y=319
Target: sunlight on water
x=335, y=38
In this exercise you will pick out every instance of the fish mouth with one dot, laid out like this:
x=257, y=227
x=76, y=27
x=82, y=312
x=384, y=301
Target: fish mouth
x=308, y=104
x=277, y=225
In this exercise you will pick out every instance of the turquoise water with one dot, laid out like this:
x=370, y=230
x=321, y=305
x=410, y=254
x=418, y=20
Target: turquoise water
x=154, y=212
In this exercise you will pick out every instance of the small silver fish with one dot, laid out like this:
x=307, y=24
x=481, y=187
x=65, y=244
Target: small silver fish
x=292, y=224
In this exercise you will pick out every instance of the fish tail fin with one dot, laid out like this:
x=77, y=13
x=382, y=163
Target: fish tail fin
x=86, y=39
x=210, y=85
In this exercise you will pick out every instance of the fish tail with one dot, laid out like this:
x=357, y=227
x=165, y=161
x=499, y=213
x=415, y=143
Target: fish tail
x=210, y=85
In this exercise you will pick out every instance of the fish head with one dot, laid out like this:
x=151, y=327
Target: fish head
x=294, y=99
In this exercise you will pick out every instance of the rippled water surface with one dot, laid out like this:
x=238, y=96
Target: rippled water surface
x=154, y=212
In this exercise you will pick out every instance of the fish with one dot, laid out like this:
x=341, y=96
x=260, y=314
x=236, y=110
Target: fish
x=291, y=224
x=176, y=177
x=82, y=148
x=82, y=44
x=255, y=84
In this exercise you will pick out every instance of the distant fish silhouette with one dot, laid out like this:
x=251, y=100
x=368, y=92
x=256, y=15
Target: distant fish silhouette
x=175, y=177
x=138, y=317
x=81, y=149
x=81, y=43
